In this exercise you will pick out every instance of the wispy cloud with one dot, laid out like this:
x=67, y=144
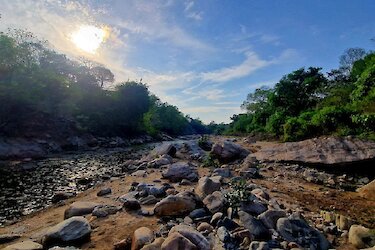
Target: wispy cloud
x=191, y=13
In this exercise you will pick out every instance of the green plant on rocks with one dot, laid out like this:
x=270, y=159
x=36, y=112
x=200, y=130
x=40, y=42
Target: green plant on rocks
x=210, y=162
x=238, y=193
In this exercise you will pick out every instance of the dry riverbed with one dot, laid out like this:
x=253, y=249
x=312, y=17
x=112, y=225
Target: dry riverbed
x=292, y=192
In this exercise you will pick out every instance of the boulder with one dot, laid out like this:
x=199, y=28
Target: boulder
x=270, y=217
x=215, y=202
x=80, y=208
x=25, y=245
x=176, y=241
x=192, y=235
x=207, y=186
x=295, y=229
x=60, y=196
x=141, y=237
x=166, y=148
x=327, y=151
x=256, y=227
x=155, y=245
x=179, y=171
x=367, y=191
x=175, y=205
x=361, y=237
x=228, y=151
x=73, y=230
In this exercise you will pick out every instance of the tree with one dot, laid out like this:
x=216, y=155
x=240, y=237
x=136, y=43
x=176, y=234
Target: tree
x=349, y=57
x=103, y=75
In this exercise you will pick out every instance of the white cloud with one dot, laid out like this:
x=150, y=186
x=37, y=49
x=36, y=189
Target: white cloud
x=248, y=66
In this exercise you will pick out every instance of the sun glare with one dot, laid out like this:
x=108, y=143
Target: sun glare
x=89, y=38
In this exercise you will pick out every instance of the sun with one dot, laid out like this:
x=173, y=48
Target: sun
x=89, y=38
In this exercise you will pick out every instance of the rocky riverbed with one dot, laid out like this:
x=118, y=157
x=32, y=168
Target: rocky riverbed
x=166, y=199
x=26, y=187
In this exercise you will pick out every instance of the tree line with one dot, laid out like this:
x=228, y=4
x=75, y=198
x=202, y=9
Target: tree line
x=37, y=81
x=308, y=103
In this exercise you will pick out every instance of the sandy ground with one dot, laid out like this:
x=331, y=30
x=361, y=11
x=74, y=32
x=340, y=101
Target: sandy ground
x=291, y=191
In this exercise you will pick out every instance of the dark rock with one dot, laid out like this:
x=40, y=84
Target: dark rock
x=104, y=191
x=227, y=223
x=131, y=205
x=297, y=230
x=104, y=211
x=255, y=226
x=270, y=217
x=179, y=171
x=73, y=230
x=228, y=151
x=253, y=207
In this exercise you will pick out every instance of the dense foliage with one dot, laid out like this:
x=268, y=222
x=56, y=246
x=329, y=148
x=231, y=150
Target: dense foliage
x=36, y=81
x=308, y=103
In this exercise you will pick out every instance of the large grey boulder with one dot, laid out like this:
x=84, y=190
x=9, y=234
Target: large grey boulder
x=179, y=171
x=166, y=148
x=228, y=151
x=296, y=229
x=73, y=230
x=80, y=208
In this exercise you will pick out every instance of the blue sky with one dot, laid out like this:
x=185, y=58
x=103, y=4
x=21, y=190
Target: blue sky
x=203, y=56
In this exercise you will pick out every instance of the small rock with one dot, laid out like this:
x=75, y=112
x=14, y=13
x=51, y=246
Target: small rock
x=256, y=245
x=204, y=227
x=155, y=245
x=104, y=191
x=80, y=208
x=131, y=205
x=104, y=211
x=216, y=217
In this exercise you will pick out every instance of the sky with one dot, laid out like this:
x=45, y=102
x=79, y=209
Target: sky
x=202, y=56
